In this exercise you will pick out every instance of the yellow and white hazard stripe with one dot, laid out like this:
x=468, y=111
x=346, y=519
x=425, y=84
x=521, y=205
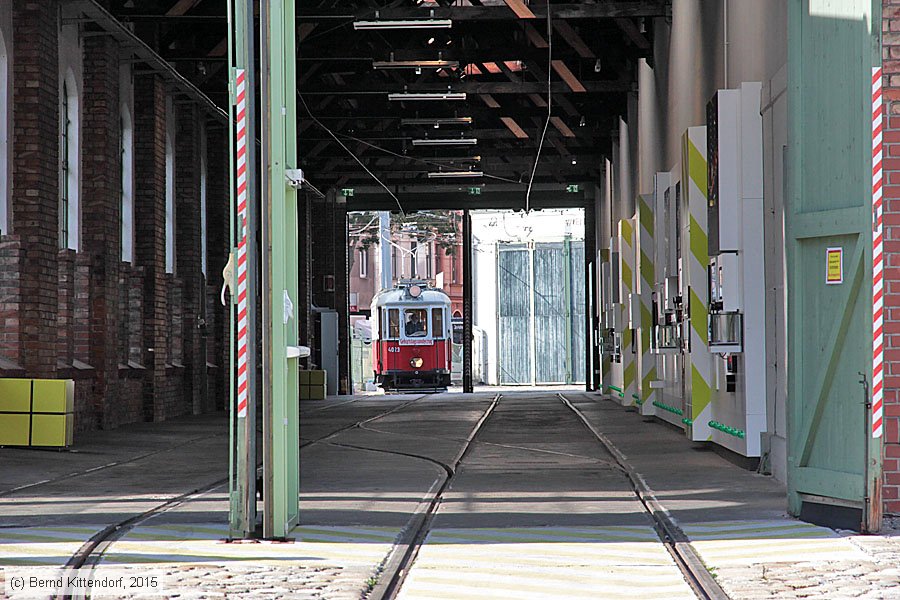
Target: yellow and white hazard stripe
x=646, y=277
x=740, y=543
x=698, y=404
x=627, y=275
x=544, y=563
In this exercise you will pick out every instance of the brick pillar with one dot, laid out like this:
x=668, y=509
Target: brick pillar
x=35, y=202
x=101, y=208
x=150, y=242
x=342, y=292
x=329, y=264
x=218, y=247
x=188, y=249
x=891, y=56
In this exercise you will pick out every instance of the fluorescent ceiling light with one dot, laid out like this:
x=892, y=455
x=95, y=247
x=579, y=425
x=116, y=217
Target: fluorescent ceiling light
x=427, y=96
x=415, y=64
x=454, y=174
x=438, y=121
x=405, y=24
x=445, y=142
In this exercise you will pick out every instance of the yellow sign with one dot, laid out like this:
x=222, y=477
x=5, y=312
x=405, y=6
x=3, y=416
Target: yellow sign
x=835, y=266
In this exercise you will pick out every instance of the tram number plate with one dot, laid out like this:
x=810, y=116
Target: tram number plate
x=393, y=349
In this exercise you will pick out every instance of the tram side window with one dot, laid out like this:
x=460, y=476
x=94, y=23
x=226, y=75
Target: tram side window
x=393, y=324
x=416, y=322
x=437, y=322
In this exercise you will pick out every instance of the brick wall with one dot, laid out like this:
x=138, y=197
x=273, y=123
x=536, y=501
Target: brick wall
x=188, y=255
x=891, y=56
x=101, y=242
x=329, y=259
x=130, y=335
x=217, y=329
x=150, y=245
x=35, y=200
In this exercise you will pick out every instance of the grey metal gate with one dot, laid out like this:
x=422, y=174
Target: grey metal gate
x=541, y=312
x=514, y=313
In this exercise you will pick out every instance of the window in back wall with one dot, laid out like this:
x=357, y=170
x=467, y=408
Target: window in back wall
x=203, y=202
x=170, y=186
x=126, y=179
x=69, y=177
x=5, y=97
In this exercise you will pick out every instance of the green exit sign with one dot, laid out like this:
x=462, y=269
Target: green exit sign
x=347, y=192
x=475, y=191
x=573, y=188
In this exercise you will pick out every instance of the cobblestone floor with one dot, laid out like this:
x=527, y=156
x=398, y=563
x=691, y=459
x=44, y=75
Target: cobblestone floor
x=875, y=576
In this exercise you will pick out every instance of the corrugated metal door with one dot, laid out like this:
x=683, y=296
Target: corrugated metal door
x=514, y=313
x=541, y=313
x=577, y=307
x=551, y=313
x=829, y=206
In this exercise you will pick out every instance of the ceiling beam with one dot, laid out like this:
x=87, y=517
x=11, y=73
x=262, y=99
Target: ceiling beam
x=514, y=128
x=572, y=84
x=536, y=39
x=574, y=40
x=634, y=34
x=181, y=7
x=562, y=127
x=522, y=11
x=456, y=196
x=608, y=9
x=568, y=76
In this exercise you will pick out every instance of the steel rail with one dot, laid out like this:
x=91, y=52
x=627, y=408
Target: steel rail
x=90, y=553
x=407, y=549
x=673, y=538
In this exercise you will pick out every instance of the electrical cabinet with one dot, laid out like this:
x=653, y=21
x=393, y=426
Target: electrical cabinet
x=736, y=320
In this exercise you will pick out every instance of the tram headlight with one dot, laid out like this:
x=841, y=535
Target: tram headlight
x=416, y=363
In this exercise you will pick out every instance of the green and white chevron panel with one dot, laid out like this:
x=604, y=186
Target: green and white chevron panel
x=695, y=261
x=627, y=268
x=646, y=277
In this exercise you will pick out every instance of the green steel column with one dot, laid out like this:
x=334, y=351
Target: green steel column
x=242, y=449
x=234, y=520
x=281, y=457
x=570, y=357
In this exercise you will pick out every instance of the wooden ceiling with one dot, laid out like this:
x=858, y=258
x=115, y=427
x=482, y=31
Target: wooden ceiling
x=505, y=56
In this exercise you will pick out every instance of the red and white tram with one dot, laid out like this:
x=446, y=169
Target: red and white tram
x=413, y=337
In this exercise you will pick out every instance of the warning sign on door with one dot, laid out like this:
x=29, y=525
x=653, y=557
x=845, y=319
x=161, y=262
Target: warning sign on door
x=835, y=266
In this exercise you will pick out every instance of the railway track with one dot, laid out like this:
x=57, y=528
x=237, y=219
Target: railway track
x=399, y=565
x=90, y=553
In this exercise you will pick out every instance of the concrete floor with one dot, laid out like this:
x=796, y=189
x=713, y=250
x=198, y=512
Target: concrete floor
x=537, y=508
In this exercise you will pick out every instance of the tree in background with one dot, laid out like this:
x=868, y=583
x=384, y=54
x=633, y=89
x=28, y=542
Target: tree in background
x=441, y=227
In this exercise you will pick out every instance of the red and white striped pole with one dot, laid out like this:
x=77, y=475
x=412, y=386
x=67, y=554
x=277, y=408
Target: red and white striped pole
x=877, y=258
x=242, y=328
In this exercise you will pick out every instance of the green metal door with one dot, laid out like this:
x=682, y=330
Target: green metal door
x=832, y=47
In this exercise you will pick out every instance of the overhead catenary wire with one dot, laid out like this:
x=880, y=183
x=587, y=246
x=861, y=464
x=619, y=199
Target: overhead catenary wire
x=537, y=158
x=350, y=152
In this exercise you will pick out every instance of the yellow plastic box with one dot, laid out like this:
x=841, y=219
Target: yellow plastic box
x=54, y=396
x=317, y=377
x=15, y=395
x=52, y=430
x=14, y=429
x=316, y=392
x=304, y=377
